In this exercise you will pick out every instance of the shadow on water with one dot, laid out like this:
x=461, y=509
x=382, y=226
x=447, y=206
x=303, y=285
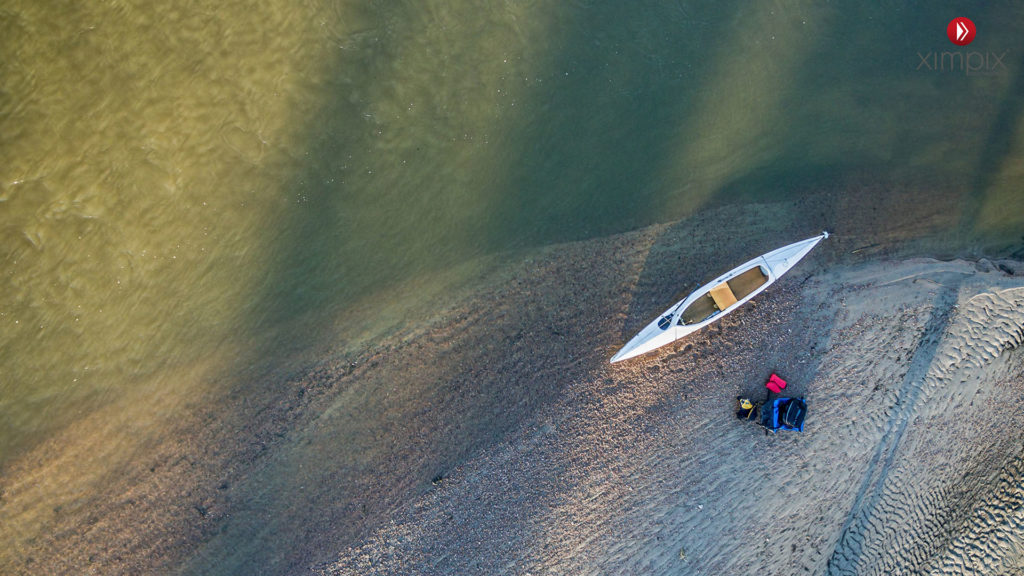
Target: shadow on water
x=359, y=220
x=592, y=148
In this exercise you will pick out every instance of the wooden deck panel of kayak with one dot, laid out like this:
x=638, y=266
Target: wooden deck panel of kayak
x=723, y=296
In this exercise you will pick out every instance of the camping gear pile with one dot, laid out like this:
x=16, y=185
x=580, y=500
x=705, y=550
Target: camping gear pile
x=774, y=415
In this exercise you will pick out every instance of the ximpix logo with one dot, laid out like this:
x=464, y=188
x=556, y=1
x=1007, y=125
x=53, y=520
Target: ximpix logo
x=967, y=62
x=961, y=31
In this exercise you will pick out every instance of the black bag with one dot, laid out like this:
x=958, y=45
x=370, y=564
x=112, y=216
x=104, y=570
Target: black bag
x=792, y=413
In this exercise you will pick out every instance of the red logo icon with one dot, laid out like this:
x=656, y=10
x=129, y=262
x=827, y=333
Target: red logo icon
x=961, y=31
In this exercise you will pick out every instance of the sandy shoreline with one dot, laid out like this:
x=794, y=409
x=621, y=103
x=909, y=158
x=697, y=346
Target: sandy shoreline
x=495, y=438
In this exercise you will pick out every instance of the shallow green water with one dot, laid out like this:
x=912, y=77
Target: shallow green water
x=179, y=180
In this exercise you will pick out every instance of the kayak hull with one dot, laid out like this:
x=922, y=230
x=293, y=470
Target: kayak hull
x=672, y=324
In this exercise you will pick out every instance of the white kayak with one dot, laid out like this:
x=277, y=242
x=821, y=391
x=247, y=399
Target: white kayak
x=717, y=298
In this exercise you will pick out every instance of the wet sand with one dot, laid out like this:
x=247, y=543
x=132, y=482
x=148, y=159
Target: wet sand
x=492, y=436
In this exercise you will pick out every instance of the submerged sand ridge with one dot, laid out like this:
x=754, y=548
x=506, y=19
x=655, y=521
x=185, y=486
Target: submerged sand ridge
x=911, y=460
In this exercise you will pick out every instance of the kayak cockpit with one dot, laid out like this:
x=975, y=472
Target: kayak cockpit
x=723, y=296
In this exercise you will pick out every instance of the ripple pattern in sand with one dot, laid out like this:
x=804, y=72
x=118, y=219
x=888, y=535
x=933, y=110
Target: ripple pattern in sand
x=920, y=490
